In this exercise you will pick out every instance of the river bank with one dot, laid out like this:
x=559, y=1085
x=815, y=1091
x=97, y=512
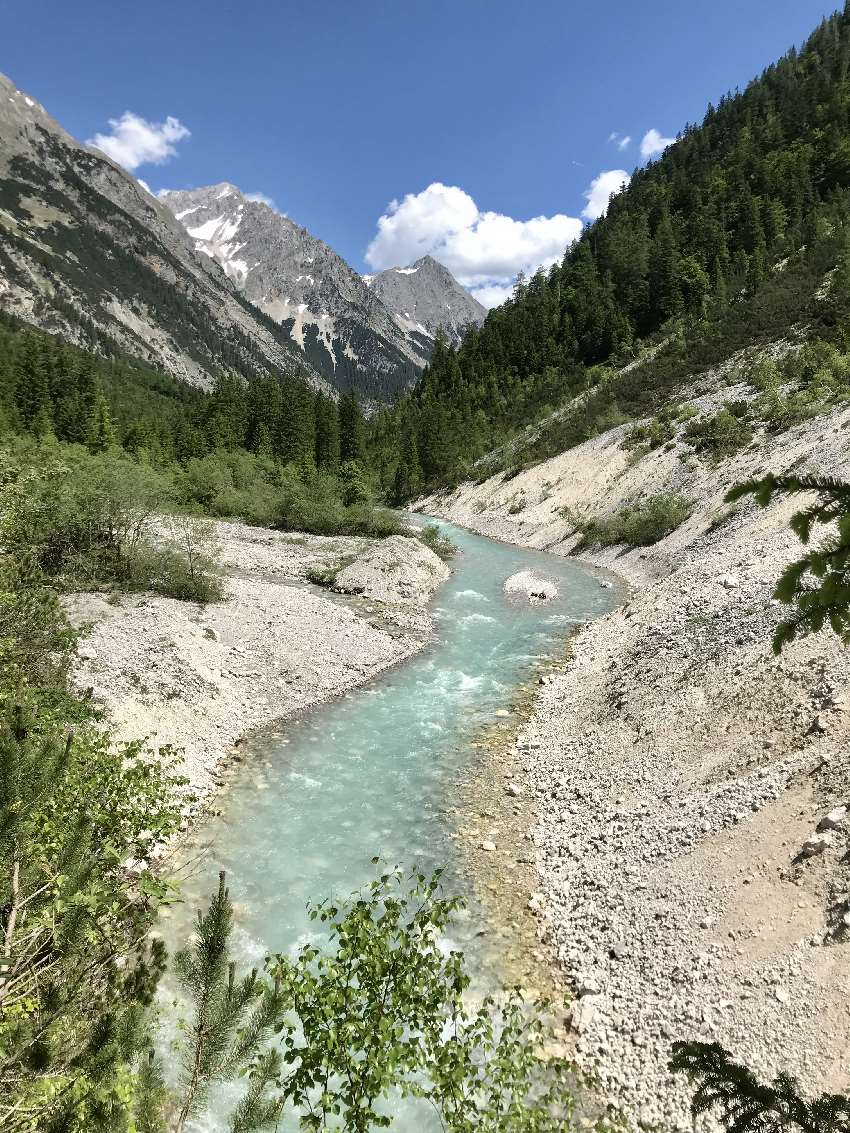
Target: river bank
x=201, y=679
x=677, y=770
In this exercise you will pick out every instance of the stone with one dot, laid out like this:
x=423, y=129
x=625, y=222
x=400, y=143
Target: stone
x=781, y=995
x=488, y=845
x=513, y=789
x=834, y=819
x=815, y=845
x=589, y=985
x=584, y=1012
x=729, y=582
x=211, y=633
x=526, y=584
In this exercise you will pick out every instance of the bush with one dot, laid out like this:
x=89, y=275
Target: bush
x=36, y=638
x=638, y=526
x=87, y=521
x=722, y=435
x=439, y=543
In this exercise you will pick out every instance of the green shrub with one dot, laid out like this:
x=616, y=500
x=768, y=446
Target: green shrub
x=326, y=576
x=723, y=434
x=638, y=526
x=439, y=543
x=87, y=522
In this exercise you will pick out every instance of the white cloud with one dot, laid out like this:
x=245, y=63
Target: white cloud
x=144, y=185
x=492, y=294
x=602, y=189
x=134, y=141
x=484, y=250
x=621, y=141
x=261, y=198
x=652, y=143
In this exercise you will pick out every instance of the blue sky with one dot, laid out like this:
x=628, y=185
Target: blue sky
x=474, y=116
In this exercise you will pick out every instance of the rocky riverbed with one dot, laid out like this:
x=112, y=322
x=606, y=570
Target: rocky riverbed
x=683, y=789
x=202, y=678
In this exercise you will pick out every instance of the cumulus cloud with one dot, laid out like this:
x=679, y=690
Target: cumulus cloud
x=653, y=143
x=602, y=189
x=621, y=141
x=134, y=141
x=483, y=250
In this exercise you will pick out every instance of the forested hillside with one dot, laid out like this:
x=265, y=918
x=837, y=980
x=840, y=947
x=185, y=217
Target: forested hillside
x=269, y=450
x=723, y=242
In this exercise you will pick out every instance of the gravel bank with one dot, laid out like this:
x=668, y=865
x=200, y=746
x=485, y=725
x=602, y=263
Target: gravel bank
x=201, y=679
x=678, y=772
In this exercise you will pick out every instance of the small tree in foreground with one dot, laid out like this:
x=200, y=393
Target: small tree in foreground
x=342, y=1034
x=818, y=583
x=818, y=586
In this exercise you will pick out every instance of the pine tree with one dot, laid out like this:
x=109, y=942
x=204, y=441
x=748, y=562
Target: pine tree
x=352, y=430
x=817, y=585
x=32, y=391
x=665, y=297
x=100, y=429
x=327, y=433
x=408, y=474
x=76, y=973
x=745, y=1105
x=232, y=1020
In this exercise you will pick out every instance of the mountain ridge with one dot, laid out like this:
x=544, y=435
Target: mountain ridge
x=87, y=252
x=418, y=297
x=345, y=323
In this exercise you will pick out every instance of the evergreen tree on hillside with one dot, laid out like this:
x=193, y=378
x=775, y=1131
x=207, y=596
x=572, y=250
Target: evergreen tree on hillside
x=100, y=430
x=327, y=433
x=352, y=429
x=32, y=389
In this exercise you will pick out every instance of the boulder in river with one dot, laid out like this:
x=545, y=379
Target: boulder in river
x=527, y=584
x=397, y=569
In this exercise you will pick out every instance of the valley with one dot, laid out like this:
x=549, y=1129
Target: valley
x=419, y=713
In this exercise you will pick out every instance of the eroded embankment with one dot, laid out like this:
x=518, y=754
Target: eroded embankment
x=201, y=678
x=675, y=770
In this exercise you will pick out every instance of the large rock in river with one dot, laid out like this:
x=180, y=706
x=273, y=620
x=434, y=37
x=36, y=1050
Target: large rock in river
x=398, y=569
x=526, y=584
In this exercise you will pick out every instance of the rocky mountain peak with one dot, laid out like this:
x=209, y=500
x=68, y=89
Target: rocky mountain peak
x=425, y=298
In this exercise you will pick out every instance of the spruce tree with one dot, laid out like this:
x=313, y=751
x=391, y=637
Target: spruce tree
x=32, y=391
x=352, y=430
x=327, y=433
x=100, y=428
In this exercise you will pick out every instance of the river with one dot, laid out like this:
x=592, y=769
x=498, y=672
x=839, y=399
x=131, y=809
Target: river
x=375, y=772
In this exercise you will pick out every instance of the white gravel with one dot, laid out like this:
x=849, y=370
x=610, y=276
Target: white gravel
x=200, y=679
x=679, y=769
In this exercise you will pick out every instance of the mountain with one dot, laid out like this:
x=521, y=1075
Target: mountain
x=341, y=325
x=727, y=242
x=425, y=298
x=86, y=251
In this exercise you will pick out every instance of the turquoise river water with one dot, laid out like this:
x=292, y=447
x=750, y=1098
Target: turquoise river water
x=375, y=772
